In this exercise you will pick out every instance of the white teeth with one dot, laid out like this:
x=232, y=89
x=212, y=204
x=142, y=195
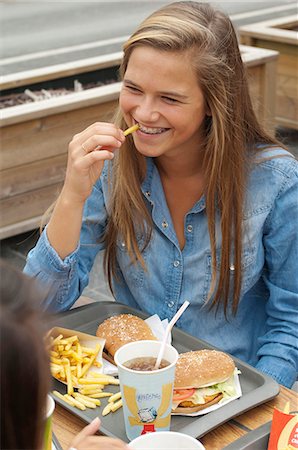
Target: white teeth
x=151, y=130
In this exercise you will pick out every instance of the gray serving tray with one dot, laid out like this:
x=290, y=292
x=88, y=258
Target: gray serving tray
x=257, y=439
x=257, y=388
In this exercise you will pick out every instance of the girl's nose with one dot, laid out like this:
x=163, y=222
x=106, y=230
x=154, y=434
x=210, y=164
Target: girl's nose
x=146, y=112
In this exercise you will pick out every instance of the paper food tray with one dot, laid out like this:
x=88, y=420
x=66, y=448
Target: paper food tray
x=86, y=340
x=257, y=388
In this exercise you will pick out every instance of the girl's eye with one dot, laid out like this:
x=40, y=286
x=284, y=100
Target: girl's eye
x=132, y=88
x=170, y=100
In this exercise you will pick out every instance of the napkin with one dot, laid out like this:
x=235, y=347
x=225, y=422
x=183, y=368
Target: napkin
x=158, y=328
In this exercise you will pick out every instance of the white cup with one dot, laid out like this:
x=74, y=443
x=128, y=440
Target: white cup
x=146, y=396
x=165, y=440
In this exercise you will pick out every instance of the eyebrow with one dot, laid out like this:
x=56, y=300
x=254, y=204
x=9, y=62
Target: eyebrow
x=165, y=93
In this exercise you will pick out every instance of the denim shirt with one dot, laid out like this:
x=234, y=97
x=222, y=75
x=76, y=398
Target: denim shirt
x=264, y=331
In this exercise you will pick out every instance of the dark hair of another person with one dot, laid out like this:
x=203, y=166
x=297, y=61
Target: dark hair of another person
x=24, y=365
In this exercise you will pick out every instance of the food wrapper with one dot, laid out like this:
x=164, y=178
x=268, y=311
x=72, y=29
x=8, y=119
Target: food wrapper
x=158, y=328
x=222, y=402
x=284, y=431
x=86, y=340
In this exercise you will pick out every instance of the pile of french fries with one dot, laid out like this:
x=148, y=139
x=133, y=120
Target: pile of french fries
x=71, y=363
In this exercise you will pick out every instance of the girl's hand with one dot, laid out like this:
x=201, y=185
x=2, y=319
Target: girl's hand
x=86, y=155
x=86, y=440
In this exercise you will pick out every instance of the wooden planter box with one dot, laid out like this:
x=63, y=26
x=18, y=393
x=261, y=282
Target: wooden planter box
x=34, y=137
x=280, y=35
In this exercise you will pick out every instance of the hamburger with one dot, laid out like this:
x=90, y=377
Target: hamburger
x=122, y=329
x=202, y=378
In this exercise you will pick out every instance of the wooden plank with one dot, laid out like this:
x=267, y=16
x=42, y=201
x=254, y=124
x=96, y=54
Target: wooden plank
x=20, y=227
x=278, y=30
x=16, y=209
x=60, y=70
x=281, y=47
x=56, y=105
x=262, y=414
x=263, y=34
x=255, y=56
x=49, y=136
x=29, y=177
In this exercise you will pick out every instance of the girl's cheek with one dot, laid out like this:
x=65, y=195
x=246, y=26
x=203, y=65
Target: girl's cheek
x=127, y=102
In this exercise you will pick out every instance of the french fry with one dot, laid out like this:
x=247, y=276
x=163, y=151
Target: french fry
x=114, y=397
x=69, y=380
x=76, y=402
x=116, y=405
x=107, y=409
x=97, y=364
x=87, y=403
x=287, y=408
x=103, y=379
x=90, y=389
x=131, y=129
x=101, y=375
x=88, y=351
x=95, y=401
x=56, y=340
x=100, y=395
x=59, y=395
x=70, y=400
x=93, y=381
x=87, y=366
x=71, y=339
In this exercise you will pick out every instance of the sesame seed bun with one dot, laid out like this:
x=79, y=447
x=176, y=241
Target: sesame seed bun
x=200, y=368
x=122, y=329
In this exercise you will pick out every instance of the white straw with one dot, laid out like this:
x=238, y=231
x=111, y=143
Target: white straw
x=168, y=329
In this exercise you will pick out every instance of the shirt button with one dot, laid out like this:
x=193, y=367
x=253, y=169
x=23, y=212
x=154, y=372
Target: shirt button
x=148, y=194
x=232, y=267
x=122, y=244
x=171, y=304
x=165, y=224
x=189, y=228
x=176, y=263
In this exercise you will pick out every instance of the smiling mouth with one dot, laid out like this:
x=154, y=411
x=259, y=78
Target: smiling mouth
x=150, y=130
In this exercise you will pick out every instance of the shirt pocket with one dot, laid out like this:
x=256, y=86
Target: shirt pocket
x=248, y=272
x=133, y=273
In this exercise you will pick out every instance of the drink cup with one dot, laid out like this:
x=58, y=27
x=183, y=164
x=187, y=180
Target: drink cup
x=47, y=438
x=146, y=395
x=166, y=440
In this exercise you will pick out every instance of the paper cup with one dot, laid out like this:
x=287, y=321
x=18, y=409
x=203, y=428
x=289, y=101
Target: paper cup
x=146, y=396
x=166, y=440
x=47, y=439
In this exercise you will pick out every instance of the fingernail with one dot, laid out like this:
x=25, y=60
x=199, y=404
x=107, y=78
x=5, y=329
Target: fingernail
x=95, y=420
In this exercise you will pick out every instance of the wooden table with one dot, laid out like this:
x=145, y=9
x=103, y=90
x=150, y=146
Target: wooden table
x=66, y=425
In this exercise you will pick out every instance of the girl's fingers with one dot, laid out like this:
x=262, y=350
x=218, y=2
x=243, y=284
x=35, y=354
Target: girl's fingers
x=100, y=129
x=97, y=142
x=85, y=162
x=89, y=430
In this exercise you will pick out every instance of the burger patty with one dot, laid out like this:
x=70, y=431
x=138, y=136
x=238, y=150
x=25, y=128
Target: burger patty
x=209, y=398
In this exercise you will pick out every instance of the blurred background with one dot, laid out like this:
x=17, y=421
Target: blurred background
x=66, y=38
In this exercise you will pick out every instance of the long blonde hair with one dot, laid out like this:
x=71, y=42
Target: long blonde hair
x=232, y=134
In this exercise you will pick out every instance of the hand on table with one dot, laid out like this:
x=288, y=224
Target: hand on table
x=87, y=440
